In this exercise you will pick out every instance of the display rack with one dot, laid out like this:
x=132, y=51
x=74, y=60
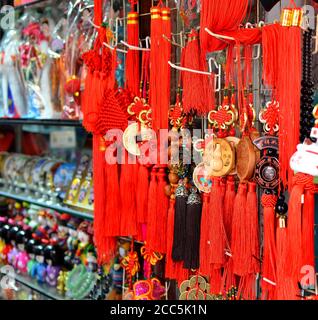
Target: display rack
x=41, y=122
x=43, y=289
x=58, y=208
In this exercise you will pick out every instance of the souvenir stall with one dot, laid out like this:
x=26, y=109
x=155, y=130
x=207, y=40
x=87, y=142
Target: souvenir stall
x=154, y=150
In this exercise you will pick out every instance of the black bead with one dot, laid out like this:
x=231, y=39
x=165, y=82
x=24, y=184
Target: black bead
x=281, y=208
x=281, y=198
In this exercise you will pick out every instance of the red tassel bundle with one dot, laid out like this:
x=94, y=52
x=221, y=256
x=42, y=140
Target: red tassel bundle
x=253, y=229
x=93, y=99
x=216, y=226
x=165, y=56
x=152, y=209
x=194, y=97
x=247, y=288
x=159, y=69
x=229, y=199
x=215, y=280
x=288, y=96
x=217, y=236
x=113, y=205
x=142, y=194
x=307, y=229
x=220, y=16
x=299, y=245
x=205, y=243
x=161, y=213
x=282, y=51
x=269, y=248
x=128, y=200
x=282, y=291
x=239, y=236
x=99, y=190
x=170, y=264
x=132, y=57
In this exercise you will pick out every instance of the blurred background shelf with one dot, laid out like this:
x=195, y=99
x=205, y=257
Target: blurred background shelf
x=42, y=122
x=59, y=208
x=44, y=289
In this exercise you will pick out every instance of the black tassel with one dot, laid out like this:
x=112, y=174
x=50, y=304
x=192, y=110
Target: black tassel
x=193, y=226
x=179, y=234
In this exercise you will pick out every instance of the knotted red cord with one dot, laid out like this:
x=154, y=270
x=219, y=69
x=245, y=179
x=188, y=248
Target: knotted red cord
x=269, y=248
x=300, y=240
x=220, y=16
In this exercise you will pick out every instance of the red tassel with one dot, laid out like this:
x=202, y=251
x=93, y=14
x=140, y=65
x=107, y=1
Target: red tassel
x=216, y=226
x=165, y=55
x=85, y=97
x=247, y=287
x=215, y=280
x=170, y=270
x=112, y=206
x=217, y=236
x=128, y=199
x=162, y=211
x=107, y=250
x=155, y=66
x=269, y=250
x=205, y=251
x=132, y=57
x=99, y=192
x=282, y=287
x=308, y=228
x=298, y=240
x=142, y=194
x=239, y=236
x=229, y=199
x=253, y=230
x=152, y=209
x=233, y=15
x=228, y=277
x=194, y=84
x=282, y=51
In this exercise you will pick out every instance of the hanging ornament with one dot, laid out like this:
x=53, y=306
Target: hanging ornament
x=269, y=117
x=219, y=157
x=267, y=168
x=196, y=288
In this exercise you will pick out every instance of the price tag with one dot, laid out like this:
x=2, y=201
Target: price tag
x=63, y=139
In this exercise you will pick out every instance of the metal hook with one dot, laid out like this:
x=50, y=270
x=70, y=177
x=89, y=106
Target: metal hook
x=172, y=65
x=129, y=46
x=171, y=41
x=112, y=48
x=218, y=76
x=219, y=36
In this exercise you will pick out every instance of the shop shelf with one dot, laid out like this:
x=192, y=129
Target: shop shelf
x=44, y=289
x=59, y=208
x=42, y=122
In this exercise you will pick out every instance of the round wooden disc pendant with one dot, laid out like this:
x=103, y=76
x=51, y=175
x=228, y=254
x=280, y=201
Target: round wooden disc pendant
x=201, y=178
x=246, y=159
x=234, y=141
x=219, y=157
x=267, y=173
